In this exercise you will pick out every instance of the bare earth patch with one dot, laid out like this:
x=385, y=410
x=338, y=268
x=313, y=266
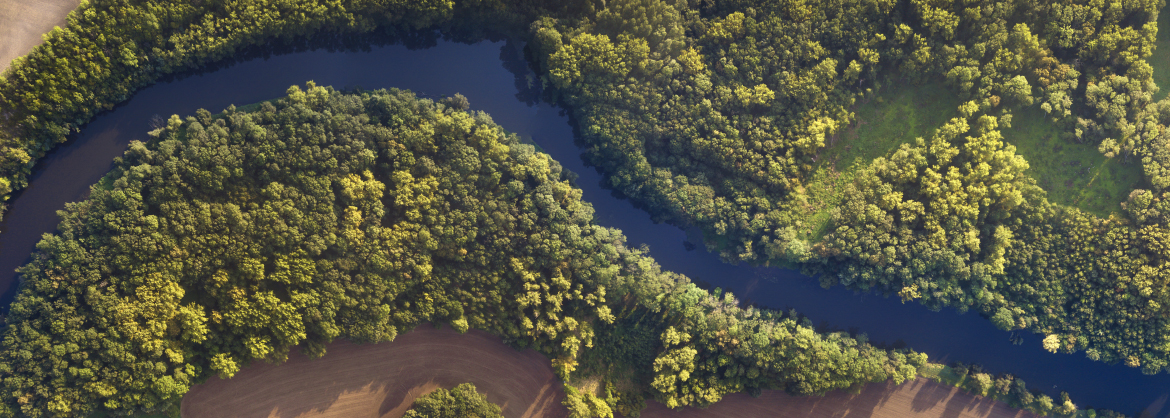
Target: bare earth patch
x=22, y=22
x=382, y=380
x=919, y=398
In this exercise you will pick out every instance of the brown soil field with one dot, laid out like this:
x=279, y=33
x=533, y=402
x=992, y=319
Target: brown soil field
x=381, y=380
x=920, y=398
x=22, y=22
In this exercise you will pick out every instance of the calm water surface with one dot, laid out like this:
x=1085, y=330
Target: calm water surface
x=476, y=72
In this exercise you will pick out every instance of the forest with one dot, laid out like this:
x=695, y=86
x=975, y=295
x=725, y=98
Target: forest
x=233, y=238
x=713, y=114
x=708, y=114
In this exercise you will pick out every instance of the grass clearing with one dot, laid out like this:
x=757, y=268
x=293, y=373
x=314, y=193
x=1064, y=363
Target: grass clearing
x=895, y=116
x=1073, y=174
x=823, y=193
x=948, y=376
x=1161, y=58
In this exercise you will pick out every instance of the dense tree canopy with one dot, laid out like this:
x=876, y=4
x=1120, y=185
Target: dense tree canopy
x=713, y=114
x=111, y=48
x=460, y=402
x=234, y=238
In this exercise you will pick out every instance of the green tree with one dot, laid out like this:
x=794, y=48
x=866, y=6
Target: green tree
x=462, y=401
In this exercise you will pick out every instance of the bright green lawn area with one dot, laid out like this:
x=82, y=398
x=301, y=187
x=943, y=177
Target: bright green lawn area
x=1161, y=58
x=1073, y=174
x=893, y=117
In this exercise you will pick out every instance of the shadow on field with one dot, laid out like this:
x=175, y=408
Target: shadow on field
x=382, y=380
x=918, y=398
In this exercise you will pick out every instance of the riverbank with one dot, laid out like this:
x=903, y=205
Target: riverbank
x=381, y=380
x=22, y=22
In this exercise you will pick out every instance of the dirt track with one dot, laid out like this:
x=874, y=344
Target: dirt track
x=381, y=380
x=22, y=22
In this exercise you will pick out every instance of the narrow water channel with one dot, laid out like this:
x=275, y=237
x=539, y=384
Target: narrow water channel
x=476, y=72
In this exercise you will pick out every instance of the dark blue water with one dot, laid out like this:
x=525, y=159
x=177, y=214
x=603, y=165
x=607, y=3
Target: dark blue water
x=477, y=72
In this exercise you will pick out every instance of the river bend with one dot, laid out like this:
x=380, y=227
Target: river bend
x=477, y=72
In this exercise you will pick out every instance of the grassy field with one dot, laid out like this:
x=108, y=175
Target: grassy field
x=103, y=414
x=918, y=398
x=22, y=22
x=1073, y=174
x=893, y=117
x=1161, y=58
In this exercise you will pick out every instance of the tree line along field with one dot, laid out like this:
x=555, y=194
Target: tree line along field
x=381, y=380
x=713, y=115
x=375, y=380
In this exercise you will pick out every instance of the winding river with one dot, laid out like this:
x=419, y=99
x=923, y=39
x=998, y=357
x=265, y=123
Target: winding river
x=476, y=72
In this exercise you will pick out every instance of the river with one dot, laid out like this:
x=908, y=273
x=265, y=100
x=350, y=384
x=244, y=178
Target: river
x=476, y=71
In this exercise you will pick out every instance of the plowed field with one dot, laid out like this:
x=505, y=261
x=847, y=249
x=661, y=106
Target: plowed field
x=921, y=398
x=381, y=380
x=23, y=21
